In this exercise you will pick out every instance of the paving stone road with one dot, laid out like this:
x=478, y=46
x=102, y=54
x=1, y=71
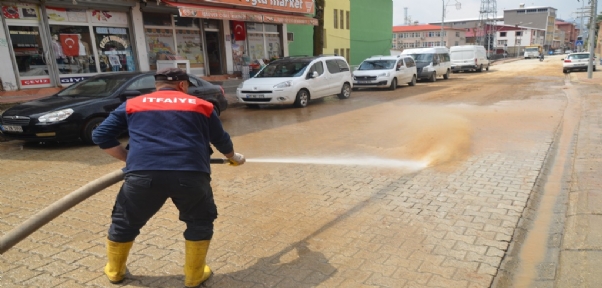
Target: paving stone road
x=292, y=225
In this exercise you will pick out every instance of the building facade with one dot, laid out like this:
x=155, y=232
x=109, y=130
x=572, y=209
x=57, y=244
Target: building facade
x=539, y=17
x=512, y=39
x=422, y=36
x=355, y=29
x=55, y=43
x=570, y=34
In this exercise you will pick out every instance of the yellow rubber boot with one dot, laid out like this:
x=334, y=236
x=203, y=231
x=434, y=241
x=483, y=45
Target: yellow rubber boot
x=196, y=270
x=117, y=254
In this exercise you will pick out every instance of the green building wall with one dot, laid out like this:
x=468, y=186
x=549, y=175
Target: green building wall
x=371, y=28
x=303, y=43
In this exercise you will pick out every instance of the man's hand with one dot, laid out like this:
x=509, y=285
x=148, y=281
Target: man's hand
x=237, y=159
x=118, y=152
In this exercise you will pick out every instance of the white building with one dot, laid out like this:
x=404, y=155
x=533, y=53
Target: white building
x=513, y=38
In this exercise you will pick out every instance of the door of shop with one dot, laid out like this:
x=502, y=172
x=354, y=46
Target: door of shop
x=214, y=53
x=31, y=56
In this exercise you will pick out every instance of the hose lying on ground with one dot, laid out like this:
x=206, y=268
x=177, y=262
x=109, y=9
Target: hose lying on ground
x=57, y=208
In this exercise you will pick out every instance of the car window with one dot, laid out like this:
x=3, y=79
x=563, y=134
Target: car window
x=410, y=62
x=284, y=69
x=194, y=82
x=318, y=66
x=377, y=65
x=428, y=57
x=343, y=65
x=399, y=63
x=578, y=56
x=333, y=66
x=142, y=84
x=95, y=87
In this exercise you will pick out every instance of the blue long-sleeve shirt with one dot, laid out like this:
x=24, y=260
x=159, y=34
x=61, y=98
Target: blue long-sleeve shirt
x=168, y=129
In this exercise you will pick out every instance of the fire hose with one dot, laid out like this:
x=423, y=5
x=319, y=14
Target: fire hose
x=59, y=207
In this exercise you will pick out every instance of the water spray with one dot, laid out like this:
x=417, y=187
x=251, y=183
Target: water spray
x=358, y=161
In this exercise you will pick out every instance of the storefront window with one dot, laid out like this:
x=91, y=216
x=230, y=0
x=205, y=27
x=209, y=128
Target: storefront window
x=160, y=45
x=270, y=27
x=114, y=48
x=273, y=42
x=256, y=47
x=254, y=27
x=28, y=49
x=187, y=43
x=72, y=49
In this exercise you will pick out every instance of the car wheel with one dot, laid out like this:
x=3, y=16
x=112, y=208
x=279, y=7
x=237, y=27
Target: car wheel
x=89, y=129
x=302, y=98
x=346, y=91
x=487, y=69
x=413, y=82
x=393, y=84
x=446, y=75
x=433, y=77
x=480, y=69
x=594, y=68
x=565, y=71
x=254, y=106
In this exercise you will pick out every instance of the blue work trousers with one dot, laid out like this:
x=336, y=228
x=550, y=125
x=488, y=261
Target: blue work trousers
x=144, y=192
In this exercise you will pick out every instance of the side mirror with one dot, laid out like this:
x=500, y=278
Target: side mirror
x=125, y=95
x=314, y=74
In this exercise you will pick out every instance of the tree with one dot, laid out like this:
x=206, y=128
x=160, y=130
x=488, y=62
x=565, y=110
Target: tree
x=319, y=30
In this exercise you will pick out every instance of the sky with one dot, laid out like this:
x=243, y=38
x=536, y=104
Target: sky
x=426, y=11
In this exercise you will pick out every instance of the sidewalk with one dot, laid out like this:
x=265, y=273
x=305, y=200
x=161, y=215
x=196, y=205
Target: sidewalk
x=581, y=248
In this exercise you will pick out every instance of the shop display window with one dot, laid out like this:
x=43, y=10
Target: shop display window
x=186, y=22
x=28, y=49
x=264, y=41
x=256, y=46
x=189, y=46
x=160, y=45
x=114, y=48
x=156, y=19
x=72, y=49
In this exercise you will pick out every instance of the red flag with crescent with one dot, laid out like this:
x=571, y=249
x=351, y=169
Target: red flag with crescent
x=70, y=44
x=239, y=30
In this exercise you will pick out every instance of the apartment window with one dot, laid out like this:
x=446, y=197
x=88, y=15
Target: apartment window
x=519, y=33
x=502, y=34
x=324, y=38
x=342, y=19
x=347, y=24
x=336, y=51
x=336, y=19
x=457, y=35
x=342, y=52
x=456, y=43
x=347, y=55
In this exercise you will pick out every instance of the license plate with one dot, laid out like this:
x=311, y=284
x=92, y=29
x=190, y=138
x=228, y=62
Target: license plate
x=255, y=96
x=365, y=82
x=12, y=128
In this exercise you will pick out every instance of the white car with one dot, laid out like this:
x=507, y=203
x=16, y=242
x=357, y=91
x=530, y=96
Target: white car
x=577, y=61
x=469, y=58
x=297, y=80
x=385, y=71
x=430, y=62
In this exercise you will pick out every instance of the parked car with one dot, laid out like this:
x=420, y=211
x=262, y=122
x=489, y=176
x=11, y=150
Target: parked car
x=469, y=58
x=430, y=62
x=297, y=80
x=568, y=51
x=74, y=112
x=385, y=71
x=577, y=61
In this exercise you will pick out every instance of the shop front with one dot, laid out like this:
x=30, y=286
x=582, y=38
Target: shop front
x=243, y=33
x=54, y=44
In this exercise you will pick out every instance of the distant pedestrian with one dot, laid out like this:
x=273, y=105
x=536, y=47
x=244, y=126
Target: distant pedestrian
x=169, y=151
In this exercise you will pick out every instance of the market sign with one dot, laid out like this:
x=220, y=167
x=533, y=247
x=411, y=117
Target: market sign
x=288, y=19
x=224, y=14
x=294, y=6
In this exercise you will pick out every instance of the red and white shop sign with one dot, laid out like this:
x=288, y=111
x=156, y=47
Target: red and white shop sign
x=40, y=81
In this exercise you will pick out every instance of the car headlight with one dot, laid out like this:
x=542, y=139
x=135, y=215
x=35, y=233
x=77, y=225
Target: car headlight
x=285, y=84
x=55, y=116
x=386, y=74
x=240, y=85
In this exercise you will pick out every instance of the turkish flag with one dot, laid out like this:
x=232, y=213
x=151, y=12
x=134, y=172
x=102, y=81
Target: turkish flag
x=239, y=30
x=70, y=44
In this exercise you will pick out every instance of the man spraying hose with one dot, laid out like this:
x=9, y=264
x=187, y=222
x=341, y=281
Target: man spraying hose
x=168, y=157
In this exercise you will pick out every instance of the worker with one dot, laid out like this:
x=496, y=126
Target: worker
x=167, y=156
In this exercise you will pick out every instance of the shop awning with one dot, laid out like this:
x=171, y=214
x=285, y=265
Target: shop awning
x=213, y=12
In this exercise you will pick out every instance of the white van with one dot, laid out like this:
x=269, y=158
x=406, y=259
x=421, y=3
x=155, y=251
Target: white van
x=469, y=58
x=297, y=80
x=430, y=62
x=385, y=71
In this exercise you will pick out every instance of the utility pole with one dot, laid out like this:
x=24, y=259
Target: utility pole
x=319, y=30
x=592, y=36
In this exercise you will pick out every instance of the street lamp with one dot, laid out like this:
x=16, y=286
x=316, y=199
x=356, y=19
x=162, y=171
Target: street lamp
x=458, y=6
